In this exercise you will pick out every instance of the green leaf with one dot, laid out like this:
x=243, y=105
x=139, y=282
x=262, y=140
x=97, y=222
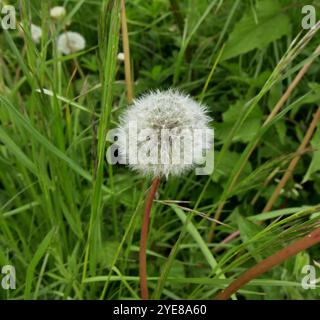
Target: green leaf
x=107, y=253
x=177, y=269
x=249, y=128
x=301, y=259
x=248, y=230
x=253, y=32
x=226, y=167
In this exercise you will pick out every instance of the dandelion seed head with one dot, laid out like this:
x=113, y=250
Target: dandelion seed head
x=162, y=119
x=57, y=12
x=70, y=42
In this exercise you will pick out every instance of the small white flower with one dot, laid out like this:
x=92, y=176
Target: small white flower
x=168, y=131
x=36, y=33
x=57, y=12
x=120, y=56
x=70, y=42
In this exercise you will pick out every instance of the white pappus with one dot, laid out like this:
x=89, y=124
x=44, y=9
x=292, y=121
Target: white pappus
x=164, y=133
x=70, y=42
x=57, y=12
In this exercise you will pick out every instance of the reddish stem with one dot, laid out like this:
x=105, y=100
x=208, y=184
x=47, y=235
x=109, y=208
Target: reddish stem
x=229, y=238
x=143, y=240
x=273, y=260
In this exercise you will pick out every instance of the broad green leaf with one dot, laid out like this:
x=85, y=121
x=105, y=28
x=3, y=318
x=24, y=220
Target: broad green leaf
x=248, y=230
x=177, y=269
x=107, y=252
x=226, y=167
x=253, y=32
x=249, y=128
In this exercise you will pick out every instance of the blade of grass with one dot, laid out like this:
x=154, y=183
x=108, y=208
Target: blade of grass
x=108, y=55
x=42, y=249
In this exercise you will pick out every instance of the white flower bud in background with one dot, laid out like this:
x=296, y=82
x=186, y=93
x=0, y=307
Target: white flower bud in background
x=120, y=56
x=70, y=42
x=164, y=126
x=35, y=32
x=57, y=12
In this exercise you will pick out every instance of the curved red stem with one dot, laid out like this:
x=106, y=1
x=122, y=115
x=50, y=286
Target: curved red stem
x=273, y=260
x=143, y=241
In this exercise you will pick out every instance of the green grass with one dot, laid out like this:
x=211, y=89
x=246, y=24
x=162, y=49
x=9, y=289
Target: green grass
x=70, y=223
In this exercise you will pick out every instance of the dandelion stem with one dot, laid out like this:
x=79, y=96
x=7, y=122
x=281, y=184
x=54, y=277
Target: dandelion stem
x=265, y=265
x=143, y=240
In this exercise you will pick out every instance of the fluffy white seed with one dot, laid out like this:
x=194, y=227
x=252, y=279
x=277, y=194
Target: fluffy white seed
x=120, y=56
x=164, y=133
x=57, y=12
x=70, y=42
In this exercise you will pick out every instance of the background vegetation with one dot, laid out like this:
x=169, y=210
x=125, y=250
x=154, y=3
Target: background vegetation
x=70, y=223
